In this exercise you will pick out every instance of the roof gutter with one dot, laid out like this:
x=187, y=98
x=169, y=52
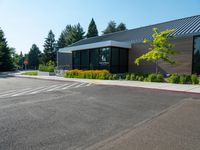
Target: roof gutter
x=95, y=45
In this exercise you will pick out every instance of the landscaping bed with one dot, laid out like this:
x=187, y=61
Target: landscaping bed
x=106, y=75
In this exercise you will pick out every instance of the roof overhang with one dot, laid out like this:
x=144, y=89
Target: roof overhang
x=96, y=45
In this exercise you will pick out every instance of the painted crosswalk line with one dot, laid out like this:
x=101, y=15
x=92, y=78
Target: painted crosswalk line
x=57, y=87
x=49, y=88
x=69, y=86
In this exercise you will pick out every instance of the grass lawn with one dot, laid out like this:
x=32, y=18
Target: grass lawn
x=31, y=73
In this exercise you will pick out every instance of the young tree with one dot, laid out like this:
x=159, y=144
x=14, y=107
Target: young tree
x=6, y=62
x=92, y=29
x=160, y=48
x=110, y=28
x=121, y=27
x=34, y=57
x=50, y=48
x=15, y=58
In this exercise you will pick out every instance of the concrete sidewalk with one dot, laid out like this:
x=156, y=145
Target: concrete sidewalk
x=150, y=85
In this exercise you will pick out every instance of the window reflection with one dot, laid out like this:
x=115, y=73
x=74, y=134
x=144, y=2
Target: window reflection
x=196, y=56
x=104, y=56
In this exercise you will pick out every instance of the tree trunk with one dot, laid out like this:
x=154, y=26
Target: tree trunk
x=156, y=66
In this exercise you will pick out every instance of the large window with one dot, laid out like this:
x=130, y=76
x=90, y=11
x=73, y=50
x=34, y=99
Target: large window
x=85, y=60
x=76, y=59
x=196, y=56
x=94, y=59
x=110, y=58
x=123, y=60
x=115, y=60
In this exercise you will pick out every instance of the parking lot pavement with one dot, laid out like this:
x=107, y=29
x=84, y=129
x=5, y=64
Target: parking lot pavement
x=74, y=118
x=178, y=129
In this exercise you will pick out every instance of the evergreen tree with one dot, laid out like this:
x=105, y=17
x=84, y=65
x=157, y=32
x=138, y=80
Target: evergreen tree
x=92, y=29
x=50, y=48
x=6, y=62
x=121, y=27
x=61, y=41
x=15, y=58
x=34, y=57
x=110, y=28
x=70, y=35
x=21, y=60
x=77, y=33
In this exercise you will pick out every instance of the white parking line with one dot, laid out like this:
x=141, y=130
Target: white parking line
x=79, y=85
x=89, y=84
x=60, y=86
x=69, y=86
x=33, y=90
x=14, y=92
x=5, y=92
x=38, y=91
x=26, y=91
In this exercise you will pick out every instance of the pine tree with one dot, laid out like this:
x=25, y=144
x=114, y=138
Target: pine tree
x=92, y=29
x=121, y=27
x=61, y=41
x=50, y=48
x=6, y=63
x=70, y=35
x=77, y=33
x=34, y=57
x=21, y=60
x=110, y=28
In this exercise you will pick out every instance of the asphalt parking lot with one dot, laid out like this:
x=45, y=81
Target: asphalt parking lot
x=76, y=117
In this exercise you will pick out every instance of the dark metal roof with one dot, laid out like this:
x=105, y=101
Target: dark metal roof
x=189, y=26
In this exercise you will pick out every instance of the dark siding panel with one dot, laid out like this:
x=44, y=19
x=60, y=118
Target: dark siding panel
x=64, y=59
x=184, y=58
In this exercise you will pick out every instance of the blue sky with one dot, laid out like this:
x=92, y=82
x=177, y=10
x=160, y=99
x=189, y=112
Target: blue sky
x=28, y=21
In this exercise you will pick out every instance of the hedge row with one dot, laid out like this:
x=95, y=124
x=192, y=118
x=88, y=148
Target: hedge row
x=145, y=77
x=183, y=79
x=88, y=74
x=106, y=75
x=49, y=67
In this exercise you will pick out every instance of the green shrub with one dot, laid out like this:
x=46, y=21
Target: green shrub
x=184, y=79
x=128, y=76
x=160, y=78
x=194, y=79
x=31, y=73
x=152, y=78
x=49, y=67
x=132, y=77
x=115, y=77
x=174, y=78
x=155, y=78
x=110, y=77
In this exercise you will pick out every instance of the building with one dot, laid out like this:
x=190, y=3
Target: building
x=117, y=51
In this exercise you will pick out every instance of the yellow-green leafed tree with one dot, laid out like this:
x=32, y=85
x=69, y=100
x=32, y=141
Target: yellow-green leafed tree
x=160, y=48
